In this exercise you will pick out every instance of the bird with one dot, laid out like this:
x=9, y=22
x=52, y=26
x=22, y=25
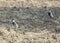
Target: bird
x=14, y=23
x=50, y=14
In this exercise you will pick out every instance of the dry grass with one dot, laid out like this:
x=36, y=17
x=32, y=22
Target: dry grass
x=9, y=35
x=17, y=36
x=29, y=3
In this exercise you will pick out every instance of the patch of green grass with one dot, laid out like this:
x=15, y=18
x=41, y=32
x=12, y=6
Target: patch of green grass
x=59, y=18
x=2, y=15
x=35, y=41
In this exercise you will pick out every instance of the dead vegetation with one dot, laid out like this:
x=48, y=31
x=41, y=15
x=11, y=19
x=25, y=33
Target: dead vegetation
x=18, y=36
x=29, y=3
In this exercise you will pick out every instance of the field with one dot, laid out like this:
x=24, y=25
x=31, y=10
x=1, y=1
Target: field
x=35, y=25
